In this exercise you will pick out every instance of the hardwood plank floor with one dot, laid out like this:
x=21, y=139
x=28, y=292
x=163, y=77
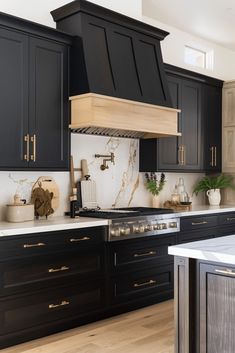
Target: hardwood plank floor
x=148, y=330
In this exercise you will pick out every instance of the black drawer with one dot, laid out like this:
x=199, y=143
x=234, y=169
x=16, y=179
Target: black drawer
x=142, y=283
x=196, y=235
x=136, y=255
x=36, y=244
x=25, y=274
x=48, y=306
x=227, y=219
x=194, y=223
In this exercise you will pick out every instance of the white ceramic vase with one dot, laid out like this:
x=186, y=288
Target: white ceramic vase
x=155, y=201
x=214, y=197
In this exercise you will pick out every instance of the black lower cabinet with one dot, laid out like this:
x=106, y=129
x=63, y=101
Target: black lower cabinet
x=51, y=282
x=141, y=272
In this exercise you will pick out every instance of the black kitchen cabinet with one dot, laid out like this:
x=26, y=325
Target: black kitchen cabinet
x=141, y=272
x=34, y=131
x=13, y=98
x=212, y=112
x=125, y=50
x=199, y=98
x=50, y=282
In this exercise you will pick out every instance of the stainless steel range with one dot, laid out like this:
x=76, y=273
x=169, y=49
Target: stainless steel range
x=136, y=222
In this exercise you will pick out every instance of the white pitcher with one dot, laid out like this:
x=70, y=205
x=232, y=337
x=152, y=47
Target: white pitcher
x=214, y=197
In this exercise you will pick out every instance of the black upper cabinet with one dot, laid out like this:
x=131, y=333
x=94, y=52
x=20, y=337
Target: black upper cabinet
x=48, y=104
x=212, y=107
x=13, y=97
x=199, y=98
x=34, y=131
x=120, y=56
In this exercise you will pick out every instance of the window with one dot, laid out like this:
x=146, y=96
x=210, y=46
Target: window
x=198, y=58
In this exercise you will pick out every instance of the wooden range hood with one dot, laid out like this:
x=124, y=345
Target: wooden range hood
x=103, y=115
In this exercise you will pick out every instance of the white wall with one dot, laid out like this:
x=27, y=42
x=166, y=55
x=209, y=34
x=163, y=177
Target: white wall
x=173, y=51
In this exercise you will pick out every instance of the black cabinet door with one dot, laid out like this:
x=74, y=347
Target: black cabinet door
x=48, y=105
x=168, y=148
x=13, y=98
x=191, y=126
x=212, y=113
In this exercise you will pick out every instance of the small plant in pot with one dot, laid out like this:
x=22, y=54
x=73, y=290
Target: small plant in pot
x=212, y=186
x=155, y=185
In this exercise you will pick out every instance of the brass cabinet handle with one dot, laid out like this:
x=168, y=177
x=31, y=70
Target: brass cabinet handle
x=62, y=268
x=152, y=281
x=180, y=155
x=212, y=156
x=198, y=223
x=63, y=303
x=146, y=254
x=33, y=140
x=26, y=156
x=73, y=240
x=230, y=219
x=226, y=271
x=215, y=156
x=184, y=155
x=33, y=245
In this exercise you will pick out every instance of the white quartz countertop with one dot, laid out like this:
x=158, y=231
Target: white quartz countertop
x=49, y=225
x=216, y=250
x=206, y=209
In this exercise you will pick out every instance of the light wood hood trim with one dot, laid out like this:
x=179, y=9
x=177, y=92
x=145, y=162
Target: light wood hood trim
x=96, y=110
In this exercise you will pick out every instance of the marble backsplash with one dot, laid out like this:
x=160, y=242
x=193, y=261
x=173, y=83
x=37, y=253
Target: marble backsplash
x=119, y=186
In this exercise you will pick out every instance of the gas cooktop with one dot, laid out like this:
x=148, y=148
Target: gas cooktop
x=124, y=212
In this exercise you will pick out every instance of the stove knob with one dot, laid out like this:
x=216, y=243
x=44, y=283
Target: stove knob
x=115, y=232
x=149, y=227
x=125, y=230
x=138, y=228
x=173, y=224
x=164, y=225
x=155, y=226
x=160, y=226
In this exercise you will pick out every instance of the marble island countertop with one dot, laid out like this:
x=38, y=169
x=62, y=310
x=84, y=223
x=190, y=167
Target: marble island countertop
x=49, y=225
x=216, y=250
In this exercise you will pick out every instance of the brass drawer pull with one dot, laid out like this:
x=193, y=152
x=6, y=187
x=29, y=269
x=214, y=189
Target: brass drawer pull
x=150, y=253
x=73, y=240
x=231, y=219
x=33, y=245
x=33, y=140
x=152, y=281
x=63, y=303
x=26, y=156
x=226, y=271
x=215, y=156
x=199, y=223
x=212, y=156
x=62, y=268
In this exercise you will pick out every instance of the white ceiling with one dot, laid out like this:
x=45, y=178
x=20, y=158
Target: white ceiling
x=213, y=20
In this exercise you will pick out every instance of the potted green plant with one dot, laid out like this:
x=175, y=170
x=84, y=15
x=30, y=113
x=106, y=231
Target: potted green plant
x=212, y=186
x=155, y=185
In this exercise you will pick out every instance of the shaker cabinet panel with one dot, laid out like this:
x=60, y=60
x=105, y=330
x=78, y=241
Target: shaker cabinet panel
x=48, y=105
x=13, y=98
x=212, y=112
x=229, y=149
x=229, y=105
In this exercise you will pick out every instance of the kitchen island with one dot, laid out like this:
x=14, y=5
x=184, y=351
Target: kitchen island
x=205, y=296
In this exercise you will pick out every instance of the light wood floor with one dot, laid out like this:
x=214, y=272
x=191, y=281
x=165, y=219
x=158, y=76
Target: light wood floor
x=148, y=330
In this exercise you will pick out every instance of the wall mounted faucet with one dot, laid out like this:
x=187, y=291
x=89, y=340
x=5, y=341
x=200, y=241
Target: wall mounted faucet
x=106, y=158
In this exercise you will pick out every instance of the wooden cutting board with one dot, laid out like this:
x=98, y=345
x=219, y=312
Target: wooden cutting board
x=48, y=183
